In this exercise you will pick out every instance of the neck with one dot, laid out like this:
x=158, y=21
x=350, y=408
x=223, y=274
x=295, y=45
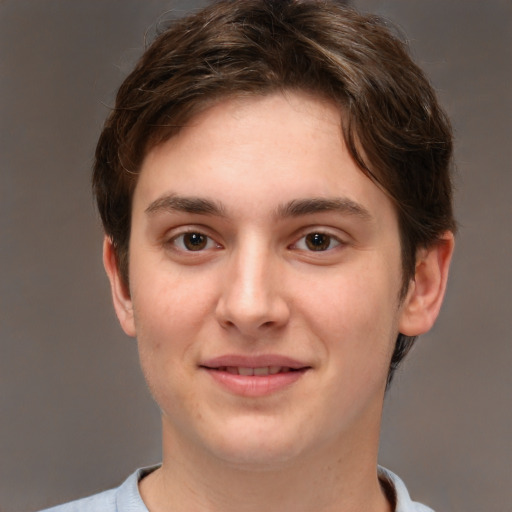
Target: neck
x=344, y=479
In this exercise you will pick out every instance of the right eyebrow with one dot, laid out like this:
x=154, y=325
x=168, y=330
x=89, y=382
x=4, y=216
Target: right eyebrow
x=174, y=203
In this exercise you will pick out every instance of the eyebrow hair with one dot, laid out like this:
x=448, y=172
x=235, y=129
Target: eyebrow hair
x=308, y=206
x=175, y=203
x=294, y=208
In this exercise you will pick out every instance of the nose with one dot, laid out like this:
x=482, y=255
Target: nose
x=252, y=300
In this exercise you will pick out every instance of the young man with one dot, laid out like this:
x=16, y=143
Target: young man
x=275, y=191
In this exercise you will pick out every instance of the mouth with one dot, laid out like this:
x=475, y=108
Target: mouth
x=261, y=371
x=254, y=376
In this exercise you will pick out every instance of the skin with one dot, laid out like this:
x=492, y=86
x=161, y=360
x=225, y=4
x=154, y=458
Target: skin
x=234, y=183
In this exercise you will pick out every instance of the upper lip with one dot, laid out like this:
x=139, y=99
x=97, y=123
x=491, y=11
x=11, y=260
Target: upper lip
x=259, y=361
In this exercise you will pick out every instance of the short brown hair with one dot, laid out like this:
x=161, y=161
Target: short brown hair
x=392, y=123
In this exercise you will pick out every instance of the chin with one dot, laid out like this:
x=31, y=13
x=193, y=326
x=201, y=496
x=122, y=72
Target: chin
x=256, y=445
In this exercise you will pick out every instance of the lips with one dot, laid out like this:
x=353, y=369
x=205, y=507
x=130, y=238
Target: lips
x=248, y=371
x=259, y=361
x=255, y=376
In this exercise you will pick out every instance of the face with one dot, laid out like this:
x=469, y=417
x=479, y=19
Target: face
x=264, y=279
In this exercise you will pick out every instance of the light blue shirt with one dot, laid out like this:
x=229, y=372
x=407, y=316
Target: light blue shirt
x=126, y=498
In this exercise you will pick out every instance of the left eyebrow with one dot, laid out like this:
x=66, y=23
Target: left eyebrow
x=175, y=203
x=308, y=206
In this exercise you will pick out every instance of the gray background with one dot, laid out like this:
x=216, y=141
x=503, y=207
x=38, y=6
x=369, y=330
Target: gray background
x=75, y=414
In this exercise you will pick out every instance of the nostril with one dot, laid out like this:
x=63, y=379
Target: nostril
x=251, y=314
x=228, y=323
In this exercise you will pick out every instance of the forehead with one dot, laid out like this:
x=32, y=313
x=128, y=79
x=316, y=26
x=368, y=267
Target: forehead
x=289, y=125
x=279, y=146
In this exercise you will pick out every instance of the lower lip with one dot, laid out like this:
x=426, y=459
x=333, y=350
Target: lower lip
x=255, y=385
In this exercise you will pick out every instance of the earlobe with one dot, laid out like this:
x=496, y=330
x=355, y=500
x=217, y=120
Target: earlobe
x=426, y=291
x=120, y=293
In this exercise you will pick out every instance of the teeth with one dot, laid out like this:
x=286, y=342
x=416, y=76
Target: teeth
x=265, y=370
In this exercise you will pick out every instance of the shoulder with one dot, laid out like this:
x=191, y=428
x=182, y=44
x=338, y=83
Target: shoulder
x=403, y=501
x=104, y=502
x=123, y=498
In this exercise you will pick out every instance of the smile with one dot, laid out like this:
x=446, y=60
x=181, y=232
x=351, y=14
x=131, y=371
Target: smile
x=261, y=371
x=254, y=376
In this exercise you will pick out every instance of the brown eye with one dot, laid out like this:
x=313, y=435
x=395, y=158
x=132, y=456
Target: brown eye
x=318, y=241
x=193, y=241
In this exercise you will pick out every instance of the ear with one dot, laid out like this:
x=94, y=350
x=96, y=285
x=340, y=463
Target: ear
x=120, y=292
x=426, y=290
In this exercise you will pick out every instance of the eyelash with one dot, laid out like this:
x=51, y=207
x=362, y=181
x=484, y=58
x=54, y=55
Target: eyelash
x=324, y=242
x=196, y=237
x=317, y=236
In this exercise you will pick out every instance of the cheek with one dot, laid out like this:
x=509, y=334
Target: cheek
x=165, y=351
x=356, y=310
x=167, y=303
x=171, y=314
x=159, y=325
